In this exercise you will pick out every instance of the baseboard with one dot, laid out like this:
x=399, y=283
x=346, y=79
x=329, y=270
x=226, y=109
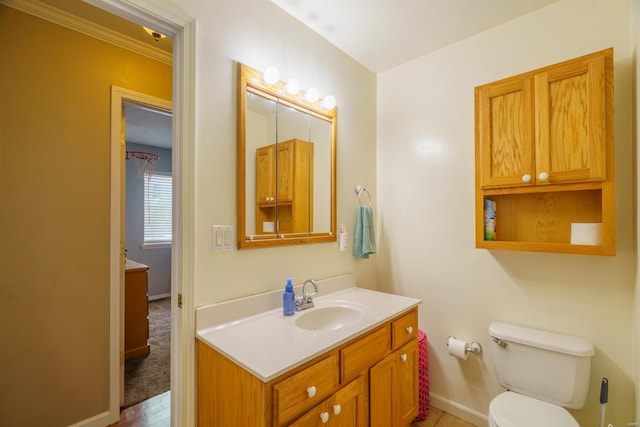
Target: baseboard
x=159, y=296
x=99, y=420
x=458, y=410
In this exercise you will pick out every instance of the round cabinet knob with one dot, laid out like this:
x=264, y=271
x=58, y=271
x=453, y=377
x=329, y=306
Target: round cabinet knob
x=409, y=330
x=543, y=176
x=526, y=177
x=311, y=391
x=324, y=416
x=337, y=409
x=403, y=357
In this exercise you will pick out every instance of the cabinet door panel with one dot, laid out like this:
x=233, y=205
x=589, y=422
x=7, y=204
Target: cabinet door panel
x=265, y=175
x=284, y=166
x=381, y=392
x=570, y=136
x=504, y=127
x=346, y=407
x=407, y=382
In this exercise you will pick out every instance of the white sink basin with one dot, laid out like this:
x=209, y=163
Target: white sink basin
x=330, y=317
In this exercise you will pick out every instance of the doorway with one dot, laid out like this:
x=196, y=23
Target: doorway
x=148, y=236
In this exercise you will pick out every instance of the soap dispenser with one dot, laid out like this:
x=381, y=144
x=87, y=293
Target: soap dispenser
x=289, y=299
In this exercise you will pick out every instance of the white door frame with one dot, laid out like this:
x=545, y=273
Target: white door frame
x=120, y=97
x=174, y=23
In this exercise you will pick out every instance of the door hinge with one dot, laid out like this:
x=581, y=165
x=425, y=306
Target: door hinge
x=179, y=300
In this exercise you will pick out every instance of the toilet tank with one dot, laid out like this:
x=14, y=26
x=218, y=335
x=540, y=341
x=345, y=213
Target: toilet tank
x=544, y=365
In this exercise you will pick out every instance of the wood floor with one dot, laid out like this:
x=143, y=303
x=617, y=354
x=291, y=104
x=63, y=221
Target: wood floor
x=156, y=412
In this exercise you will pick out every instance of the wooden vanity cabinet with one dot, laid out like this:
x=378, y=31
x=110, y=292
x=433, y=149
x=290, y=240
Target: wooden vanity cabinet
x=349, y=385
x=544, y=154
x=136, y=310
x=284, y=186
x=393, y=382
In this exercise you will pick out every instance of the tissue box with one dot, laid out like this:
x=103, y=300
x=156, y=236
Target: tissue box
x=586, y=233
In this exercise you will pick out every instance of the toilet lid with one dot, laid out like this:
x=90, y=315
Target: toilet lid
x=510, y=409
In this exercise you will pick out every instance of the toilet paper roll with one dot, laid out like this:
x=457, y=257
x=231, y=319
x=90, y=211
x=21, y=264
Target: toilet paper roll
x=268, y=227
x=588, y=233
x=457, y=348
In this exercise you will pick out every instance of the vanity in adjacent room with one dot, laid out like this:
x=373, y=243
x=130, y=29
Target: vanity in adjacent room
x=136, y=310
x=352, y=360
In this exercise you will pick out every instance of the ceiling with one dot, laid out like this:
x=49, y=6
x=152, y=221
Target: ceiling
x=382, y=34
x=148, y=126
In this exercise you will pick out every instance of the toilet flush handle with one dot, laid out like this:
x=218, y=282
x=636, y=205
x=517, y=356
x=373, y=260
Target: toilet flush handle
x=498, y=341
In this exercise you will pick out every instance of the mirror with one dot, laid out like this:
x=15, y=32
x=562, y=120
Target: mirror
x=286, y=166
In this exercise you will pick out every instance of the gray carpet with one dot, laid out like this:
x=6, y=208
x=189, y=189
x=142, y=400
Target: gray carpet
x=148, y=376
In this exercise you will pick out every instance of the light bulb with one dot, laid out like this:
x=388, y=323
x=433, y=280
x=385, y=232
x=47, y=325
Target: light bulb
x=329, y=102
x=270, y=75
x=312, y=95
x=293, y=86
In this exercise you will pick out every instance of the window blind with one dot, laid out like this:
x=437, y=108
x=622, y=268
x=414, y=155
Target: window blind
x=157, y=208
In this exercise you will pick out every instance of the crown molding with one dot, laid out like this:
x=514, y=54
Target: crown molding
x=81, y=25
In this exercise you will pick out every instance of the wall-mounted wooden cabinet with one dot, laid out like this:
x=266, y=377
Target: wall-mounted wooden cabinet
x=284, y=186
x=544, y=155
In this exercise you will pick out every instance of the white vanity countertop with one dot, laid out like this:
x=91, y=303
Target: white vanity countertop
x=268, y=344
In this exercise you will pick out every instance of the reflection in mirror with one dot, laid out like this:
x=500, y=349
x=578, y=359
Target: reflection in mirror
x=286, y=166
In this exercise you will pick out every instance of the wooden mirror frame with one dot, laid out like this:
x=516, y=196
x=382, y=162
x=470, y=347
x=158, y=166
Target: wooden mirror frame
x=250, y=81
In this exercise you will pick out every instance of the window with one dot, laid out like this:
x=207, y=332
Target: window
x=157, y=208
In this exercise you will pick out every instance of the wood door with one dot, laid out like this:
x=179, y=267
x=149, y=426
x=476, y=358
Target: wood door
x=265, y=175
x=285, y=171
x=406, y=394
x=504, y=132
x=346, y=407
x=381, y=379
x=571, y=126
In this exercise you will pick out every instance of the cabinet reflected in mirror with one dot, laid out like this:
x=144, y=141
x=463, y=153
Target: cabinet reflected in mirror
x=286, y=166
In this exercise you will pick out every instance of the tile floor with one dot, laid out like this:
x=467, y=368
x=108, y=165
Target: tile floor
x=439, y=418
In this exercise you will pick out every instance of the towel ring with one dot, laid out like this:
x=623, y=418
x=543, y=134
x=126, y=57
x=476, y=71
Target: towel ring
x=359, y=190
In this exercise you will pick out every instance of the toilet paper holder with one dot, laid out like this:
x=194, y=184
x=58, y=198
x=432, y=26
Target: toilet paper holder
x=472, y=347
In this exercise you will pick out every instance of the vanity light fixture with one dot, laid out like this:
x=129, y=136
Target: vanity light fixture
x=329, y=102
x=312, y=95
x=271, y=75
x=292, y=87
x=156, y=35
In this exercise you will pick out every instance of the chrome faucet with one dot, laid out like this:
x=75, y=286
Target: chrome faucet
x=305, y=301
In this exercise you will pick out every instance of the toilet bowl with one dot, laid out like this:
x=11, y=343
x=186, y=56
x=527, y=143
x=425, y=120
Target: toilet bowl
x=543, y=372
x=511, y=409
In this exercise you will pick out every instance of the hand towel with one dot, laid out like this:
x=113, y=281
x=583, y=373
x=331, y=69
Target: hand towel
x=364, y=240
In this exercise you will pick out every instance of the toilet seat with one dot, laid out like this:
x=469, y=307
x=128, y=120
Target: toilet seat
x=511, y=409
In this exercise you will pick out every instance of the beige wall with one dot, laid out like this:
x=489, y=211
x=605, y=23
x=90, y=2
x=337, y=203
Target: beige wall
x=54, y=216
x=270, y=36
x=426, y=210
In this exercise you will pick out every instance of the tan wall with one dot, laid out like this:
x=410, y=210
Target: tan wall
x=54, y=216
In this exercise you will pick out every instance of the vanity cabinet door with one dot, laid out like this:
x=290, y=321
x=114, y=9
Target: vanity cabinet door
x=407, y=391
x=393, y=388
x=343, y=409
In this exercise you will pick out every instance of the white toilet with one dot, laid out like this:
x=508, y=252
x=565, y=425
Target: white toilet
x=544, y=372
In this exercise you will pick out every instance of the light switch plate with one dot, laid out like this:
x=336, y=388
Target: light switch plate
x=222, y=237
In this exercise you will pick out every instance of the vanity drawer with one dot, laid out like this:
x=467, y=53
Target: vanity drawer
x=358, y=357
x=404, y=329
x=301, y=391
